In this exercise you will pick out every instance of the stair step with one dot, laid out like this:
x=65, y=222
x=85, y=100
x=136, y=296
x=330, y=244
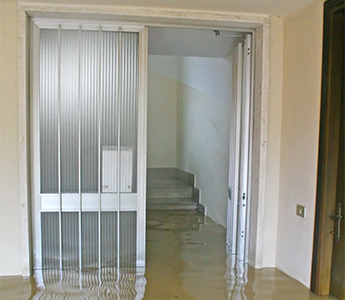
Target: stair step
x=154, y=173
x=172, y=189
x=176, y=206
x=171, y=173
x=168, y=200
x=165, y=182
x=169, y=192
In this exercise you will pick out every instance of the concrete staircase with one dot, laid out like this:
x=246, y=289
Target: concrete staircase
x=172, y=189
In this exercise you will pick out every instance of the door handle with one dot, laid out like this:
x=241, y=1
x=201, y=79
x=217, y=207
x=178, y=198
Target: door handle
x=337, y=217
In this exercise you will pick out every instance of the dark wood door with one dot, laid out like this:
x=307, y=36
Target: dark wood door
x=328, y=274
x=338, y=257
x=337, y=288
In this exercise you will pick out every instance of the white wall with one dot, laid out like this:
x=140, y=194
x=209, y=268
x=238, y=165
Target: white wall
x=299, y=140
x=188, y=122
x=10, y=230
x=162, y=111
x=204, y=95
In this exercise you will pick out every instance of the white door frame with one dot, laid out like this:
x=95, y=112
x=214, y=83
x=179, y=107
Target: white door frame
x=259, y=24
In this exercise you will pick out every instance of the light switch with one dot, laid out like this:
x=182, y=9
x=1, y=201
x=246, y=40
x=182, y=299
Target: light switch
x=300, y=211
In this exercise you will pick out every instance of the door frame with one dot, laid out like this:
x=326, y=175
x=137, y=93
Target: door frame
x=327, y=163
x=259, y=25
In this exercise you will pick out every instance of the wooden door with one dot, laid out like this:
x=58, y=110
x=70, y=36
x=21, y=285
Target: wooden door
x=329, y=243
x=338, y=257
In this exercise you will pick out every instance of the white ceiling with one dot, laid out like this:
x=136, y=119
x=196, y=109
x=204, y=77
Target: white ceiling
x=267, y=7
x=191, y=42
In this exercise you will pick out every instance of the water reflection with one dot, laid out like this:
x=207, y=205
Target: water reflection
x=175, y=221
x=236, y=277
x=107, y=283
x=186, y=259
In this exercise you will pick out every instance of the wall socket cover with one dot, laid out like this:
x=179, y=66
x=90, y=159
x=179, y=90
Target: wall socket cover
x=300, y=210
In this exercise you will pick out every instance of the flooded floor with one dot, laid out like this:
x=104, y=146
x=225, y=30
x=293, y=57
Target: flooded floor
x=186, y=260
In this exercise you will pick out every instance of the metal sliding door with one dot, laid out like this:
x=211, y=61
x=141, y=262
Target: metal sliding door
x=240, y=153
x=234, y=148
x=244, y=172
x=88, y=105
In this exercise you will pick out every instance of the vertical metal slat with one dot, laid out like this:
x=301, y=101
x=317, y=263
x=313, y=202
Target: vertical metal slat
x=59, y=144
x=79, y=149
x=118, y=144
x=99, y=145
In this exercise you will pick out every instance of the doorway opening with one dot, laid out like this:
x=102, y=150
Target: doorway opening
x=259, y=26
x=199, y=126
x=85, y=155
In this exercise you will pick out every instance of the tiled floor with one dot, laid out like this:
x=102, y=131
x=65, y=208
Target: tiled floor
x=186, y=260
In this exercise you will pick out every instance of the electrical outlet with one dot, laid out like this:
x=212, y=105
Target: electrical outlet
x=300, y=211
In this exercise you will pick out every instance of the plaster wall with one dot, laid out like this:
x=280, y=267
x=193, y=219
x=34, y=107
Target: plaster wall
x=299, y=140
x=203, y=114
x=10, y=224
x=162, y=112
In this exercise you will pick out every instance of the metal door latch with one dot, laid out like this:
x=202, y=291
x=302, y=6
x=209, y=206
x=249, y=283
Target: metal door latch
x=337, y=217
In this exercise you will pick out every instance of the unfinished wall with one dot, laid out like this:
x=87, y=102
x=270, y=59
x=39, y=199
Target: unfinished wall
x=273, y=143
x=299, y=143
x=162, y=112
x=10, y=232
x=204, y=95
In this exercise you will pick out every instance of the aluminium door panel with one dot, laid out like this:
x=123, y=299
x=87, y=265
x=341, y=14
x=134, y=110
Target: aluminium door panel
x=234, y=148
x=85, y=107
x=244, y=168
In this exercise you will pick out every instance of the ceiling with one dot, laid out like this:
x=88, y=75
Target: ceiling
x=266, y=7
x=192, y=42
